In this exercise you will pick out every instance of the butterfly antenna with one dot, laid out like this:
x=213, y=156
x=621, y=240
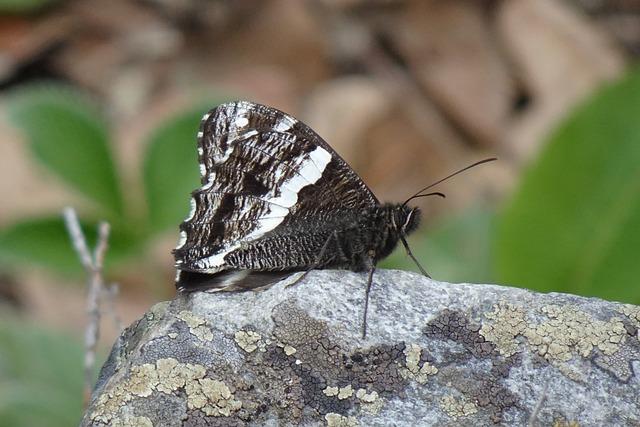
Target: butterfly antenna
x=415, y=196
x=435, y=193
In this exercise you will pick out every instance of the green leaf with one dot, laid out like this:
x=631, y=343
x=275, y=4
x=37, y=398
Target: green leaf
x=453, y=250
x=574, y=222
x=67, y=136
x=171, y=170
x=40, y=376
x=45, y=242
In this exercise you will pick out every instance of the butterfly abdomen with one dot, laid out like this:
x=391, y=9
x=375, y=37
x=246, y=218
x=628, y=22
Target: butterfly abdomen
x=279, y=252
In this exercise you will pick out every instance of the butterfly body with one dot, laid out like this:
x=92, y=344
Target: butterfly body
x=275, y=199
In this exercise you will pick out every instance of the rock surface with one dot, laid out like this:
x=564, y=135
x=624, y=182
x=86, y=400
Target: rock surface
x=435, y=354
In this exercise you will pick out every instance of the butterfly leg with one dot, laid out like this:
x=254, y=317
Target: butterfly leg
x=406, y=246
x=372, y=269
x=318, y=262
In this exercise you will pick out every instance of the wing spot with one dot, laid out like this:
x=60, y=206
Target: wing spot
x=192, y=210
x=285, y=124
x=209, y=182
x=200, y=134
x=182, y=239
x=242, y=122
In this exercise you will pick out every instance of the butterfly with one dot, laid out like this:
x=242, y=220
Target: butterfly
x=277, y=199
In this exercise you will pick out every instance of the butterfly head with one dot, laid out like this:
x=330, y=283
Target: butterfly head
x=405, y=219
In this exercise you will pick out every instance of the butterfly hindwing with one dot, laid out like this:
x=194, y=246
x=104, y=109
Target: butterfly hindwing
x=266, y=177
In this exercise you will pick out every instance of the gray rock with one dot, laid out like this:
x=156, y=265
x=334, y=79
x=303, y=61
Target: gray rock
x=436, y=354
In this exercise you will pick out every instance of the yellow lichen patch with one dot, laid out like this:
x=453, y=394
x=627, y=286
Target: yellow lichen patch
x=288, y=350
x=174, y=375
x=565, y=423
x=372, y=408
x=197, y=325
x=508, y=323
x=109, y=403
x=567, y=331
x=369, y=402
x=345, y=392
x=212, y=397
x=331, y=391
x=367, y=397
x=632, y=312
x=166, y=376
x=342, y=392
x=131, y=421
x=143, y=380
x=337, y=420
x=456, y=408
x=247, y=340
x=413, y=370
x=570, y=330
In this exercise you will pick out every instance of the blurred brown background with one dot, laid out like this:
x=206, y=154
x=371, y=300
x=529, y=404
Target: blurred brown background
x=406, y=90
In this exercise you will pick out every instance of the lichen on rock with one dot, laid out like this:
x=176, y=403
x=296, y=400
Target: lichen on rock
x=508, y=321
x=337, y=420
x=567, y=331
x=131, y=421
x=197, y=325
x=212, y=397
x=570, y=331
x=167, y=376
x=457, y=407
x=247, y=340
x=632, y=312
x=413, y=369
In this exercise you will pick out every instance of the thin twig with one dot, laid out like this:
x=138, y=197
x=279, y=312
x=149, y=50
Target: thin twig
x=77, y=238
x=111, y=294
x=101, y=246
x=93, y=266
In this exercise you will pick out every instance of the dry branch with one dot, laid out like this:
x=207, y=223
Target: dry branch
x=93, y=264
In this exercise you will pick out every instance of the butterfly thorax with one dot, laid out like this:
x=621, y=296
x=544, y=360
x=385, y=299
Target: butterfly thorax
x=386, y=224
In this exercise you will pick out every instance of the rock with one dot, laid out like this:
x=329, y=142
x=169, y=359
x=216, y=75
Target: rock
x=435, y=354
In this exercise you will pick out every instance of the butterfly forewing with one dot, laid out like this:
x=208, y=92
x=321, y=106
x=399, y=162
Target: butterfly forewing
x=265, y=176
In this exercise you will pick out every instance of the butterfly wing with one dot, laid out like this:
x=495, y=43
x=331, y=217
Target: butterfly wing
x=264, y=173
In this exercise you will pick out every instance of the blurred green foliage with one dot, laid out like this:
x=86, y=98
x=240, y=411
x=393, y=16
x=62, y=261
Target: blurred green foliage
x=573, y=224
x=40, y=376
x=67, y=135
